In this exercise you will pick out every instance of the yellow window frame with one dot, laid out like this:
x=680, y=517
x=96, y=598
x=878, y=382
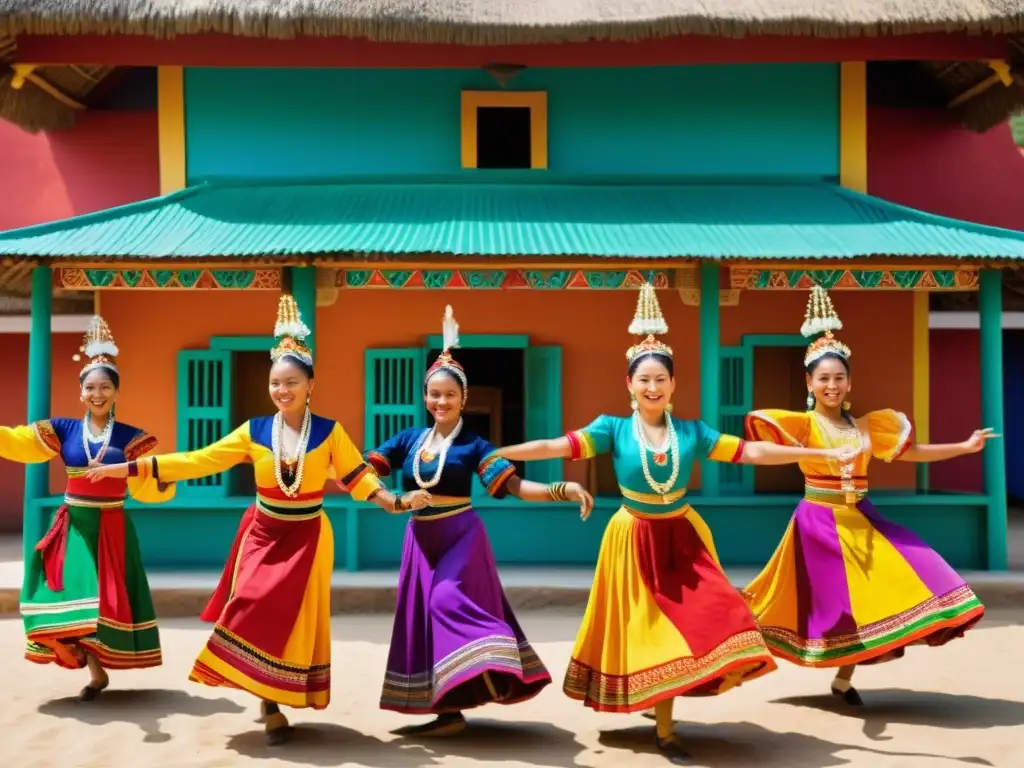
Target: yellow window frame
x=535, y=101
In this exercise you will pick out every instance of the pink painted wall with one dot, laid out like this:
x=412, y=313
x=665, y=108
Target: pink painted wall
x=928, y=161
x=108, y=159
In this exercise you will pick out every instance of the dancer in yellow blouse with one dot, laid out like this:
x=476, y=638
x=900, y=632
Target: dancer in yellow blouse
x=85, y=599
x=846, y=586
x=662, y=620
x=272, y=633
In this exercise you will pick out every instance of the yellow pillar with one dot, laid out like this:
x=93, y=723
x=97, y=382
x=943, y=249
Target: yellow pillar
x=171, y=127
x=853, y=126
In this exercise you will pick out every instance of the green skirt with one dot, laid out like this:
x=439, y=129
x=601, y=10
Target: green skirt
x=85, y=585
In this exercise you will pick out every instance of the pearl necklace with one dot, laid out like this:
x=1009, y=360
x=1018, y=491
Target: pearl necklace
x=835, y=436
x=104, y=437
x=644, y=445
x=300, y=453
x=442, y=455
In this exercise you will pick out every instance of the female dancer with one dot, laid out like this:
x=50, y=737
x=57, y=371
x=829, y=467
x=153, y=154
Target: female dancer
x=272, y=633
x=85, y=600
x=456, y=643
x=846, y=586
x=662, y=620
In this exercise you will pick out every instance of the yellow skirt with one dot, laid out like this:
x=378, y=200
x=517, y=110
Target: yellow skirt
x=846, y=586
x=272, y=610
x=662, y=619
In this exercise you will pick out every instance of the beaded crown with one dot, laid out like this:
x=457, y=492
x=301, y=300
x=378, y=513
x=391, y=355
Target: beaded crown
x=821, y=317
x=290, y=332
x=648, y=320
x=445, y=361
x=98, y=346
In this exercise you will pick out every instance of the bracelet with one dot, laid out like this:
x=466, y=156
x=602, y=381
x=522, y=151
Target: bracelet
x=133, y=468
x=558, y=491
x=399, y=505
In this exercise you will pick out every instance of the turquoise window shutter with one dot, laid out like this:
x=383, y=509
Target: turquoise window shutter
x=204, y=410
x=393, y=395
x=543, y=407
x=737, y=398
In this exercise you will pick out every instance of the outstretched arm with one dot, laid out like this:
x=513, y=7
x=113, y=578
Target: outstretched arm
x=527, y=490
x=766, y=454
x=928, y=452
x=537, y=450
x=29, y=444
x=174, y=467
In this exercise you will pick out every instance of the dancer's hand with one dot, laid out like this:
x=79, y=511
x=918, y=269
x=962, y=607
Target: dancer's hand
x=976, y=441
x=843, y=455
x=576, y=492
x=416, y=499
x=102, y=472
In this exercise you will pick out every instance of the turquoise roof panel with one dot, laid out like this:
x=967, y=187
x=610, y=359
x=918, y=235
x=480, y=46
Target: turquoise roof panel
x=615, y=220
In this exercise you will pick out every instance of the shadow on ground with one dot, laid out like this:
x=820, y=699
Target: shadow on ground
x=144, y=708
x=740, y=745
x=325, y=744
x=892, y=706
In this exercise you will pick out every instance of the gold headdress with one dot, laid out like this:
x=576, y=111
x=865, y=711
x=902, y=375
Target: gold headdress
x=98, y=346
x=647, y=320
x=290, y=332
x=821, y=317
x=445, y=361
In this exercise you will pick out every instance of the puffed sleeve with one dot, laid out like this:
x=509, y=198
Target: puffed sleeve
x=778, y=426
x=594, y=439
x=494, y=471
x=718, y=447
x=891, y=433
x=354, y=475
x=148, y=490
x=217, y=457
x=30, y=444
x=391, y=453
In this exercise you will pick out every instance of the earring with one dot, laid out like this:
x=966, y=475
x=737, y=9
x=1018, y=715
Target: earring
x=633, y=403
x=668, y=408
x=846, y=405
x=810, y=400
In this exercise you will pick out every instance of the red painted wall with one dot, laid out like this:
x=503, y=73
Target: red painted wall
x=928, y=161
x=108, y=159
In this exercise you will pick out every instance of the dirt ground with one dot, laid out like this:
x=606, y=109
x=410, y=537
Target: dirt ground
x=962, y=704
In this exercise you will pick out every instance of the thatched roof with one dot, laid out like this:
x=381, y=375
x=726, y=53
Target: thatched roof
x=492, y=22
x=51, y=97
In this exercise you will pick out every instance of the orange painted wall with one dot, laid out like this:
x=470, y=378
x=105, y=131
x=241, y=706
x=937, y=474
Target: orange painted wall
x=590, y=327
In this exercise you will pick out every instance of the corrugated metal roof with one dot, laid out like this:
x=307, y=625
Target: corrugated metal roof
x=649, y=220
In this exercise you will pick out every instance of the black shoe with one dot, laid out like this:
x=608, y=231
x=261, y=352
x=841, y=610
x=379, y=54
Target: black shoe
x=851, y=697
x=673, y=750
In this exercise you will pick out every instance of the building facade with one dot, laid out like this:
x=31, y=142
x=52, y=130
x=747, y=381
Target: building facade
x=381, y=181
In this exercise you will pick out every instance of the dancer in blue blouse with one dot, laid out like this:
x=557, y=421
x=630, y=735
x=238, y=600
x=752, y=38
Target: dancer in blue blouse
x=456, y=643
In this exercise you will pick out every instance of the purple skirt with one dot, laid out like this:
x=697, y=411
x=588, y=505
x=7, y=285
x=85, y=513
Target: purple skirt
x=847, y=586
x=456, y=643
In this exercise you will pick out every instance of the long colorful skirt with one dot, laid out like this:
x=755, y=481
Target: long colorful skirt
x=272, y=613
x=847, y=586
x=85, y=585
x=456, y=643
x=662, y=619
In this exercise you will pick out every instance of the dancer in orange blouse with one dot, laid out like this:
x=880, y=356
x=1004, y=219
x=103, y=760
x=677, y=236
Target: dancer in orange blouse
x=846, y=586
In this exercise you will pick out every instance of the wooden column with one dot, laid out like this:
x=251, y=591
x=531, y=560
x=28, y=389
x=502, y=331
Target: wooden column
x=37, y=476
x=710, y=366
x=990, y=312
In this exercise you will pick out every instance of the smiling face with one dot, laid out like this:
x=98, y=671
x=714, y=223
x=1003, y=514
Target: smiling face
x=290, y=386
x=652, y=384
x=829, y=381
x=99, y=393
x=443, y=397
